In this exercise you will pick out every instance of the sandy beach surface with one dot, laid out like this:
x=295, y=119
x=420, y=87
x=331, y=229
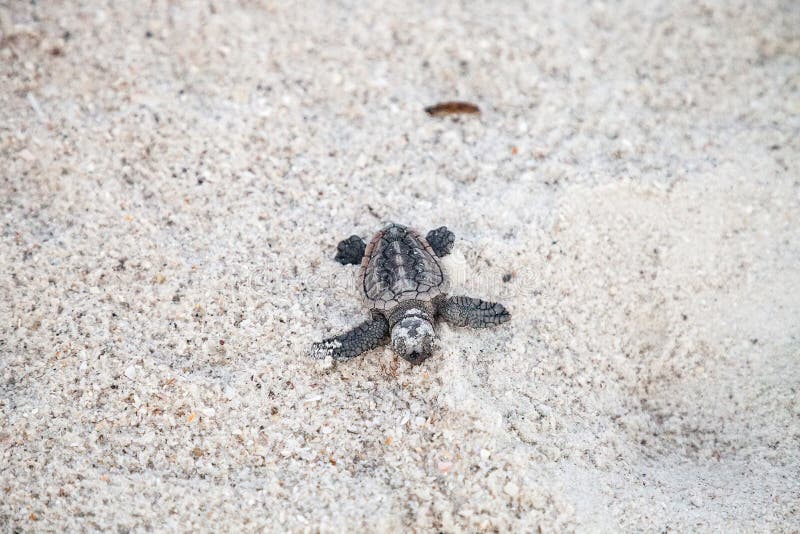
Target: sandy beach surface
x=174, y=178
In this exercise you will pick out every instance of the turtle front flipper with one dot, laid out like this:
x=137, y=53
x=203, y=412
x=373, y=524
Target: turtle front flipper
x=350, y=250
x=362, y=338
x=475, y=313
x=441, y=241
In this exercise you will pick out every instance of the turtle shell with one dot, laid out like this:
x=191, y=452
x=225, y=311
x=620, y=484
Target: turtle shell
x=399, y=265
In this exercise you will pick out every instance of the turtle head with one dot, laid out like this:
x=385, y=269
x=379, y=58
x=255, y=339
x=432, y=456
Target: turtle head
x=412, y=338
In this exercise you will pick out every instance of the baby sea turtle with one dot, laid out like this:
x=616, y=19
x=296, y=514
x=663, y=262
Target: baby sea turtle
x=404, y=286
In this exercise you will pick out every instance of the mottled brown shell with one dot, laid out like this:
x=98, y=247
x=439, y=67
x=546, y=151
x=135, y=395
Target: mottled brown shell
x=399, y=265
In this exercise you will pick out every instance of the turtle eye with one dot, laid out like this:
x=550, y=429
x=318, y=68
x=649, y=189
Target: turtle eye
x=417, y=357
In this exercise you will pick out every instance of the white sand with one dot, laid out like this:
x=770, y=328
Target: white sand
x=635, y=169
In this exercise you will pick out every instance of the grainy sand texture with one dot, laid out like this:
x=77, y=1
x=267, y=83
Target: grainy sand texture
x=174, y=178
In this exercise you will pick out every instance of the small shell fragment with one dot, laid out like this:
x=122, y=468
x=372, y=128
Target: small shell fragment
x=444, y=466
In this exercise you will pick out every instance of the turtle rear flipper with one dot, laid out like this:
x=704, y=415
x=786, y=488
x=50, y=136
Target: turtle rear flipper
x=472, y=312
x=350, y=250
x=362, y=338
x=441, y=241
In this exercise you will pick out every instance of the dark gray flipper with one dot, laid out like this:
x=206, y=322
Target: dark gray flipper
x=362, y=338
x=475, y=313
x=350, y=250
x=441, y=241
